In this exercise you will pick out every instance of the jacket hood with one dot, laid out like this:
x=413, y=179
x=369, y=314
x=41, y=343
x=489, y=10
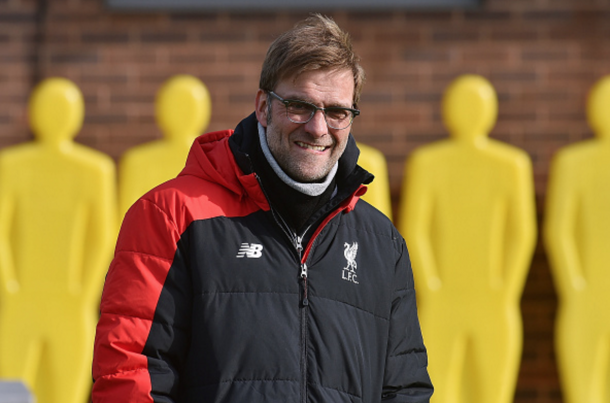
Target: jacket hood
x=210, y=158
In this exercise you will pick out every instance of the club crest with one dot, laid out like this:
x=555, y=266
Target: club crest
x=350, y=252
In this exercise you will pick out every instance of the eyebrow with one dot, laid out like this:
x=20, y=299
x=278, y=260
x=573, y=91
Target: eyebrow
x=309, y=101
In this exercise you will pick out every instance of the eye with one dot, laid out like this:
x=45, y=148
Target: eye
x=337, y=113
x=298, y=107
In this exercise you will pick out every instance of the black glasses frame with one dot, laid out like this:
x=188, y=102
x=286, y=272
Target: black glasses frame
x=314, y=109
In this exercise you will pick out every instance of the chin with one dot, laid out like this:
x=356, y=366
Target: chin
x=307, y=173
x=312, y=178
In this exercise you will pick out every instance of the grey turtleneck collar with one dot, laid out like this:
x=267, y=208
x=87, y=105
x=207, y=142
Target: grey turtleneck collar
x=310, y=189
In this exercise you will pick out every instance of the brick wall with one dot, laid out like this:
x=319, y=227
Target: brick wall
x=542, y=56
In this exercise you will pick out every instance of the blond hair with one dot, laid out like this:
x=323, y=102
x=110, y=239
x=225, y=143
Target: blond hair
x=313, y=44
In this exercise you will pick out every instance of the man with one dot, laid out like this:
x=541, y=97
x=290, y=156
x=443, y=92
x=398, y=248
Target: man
x=257, y=275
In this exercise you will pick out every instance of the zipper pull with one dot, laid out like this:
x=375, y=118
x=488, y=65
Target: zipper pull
x=304, y=277
x=299, y=246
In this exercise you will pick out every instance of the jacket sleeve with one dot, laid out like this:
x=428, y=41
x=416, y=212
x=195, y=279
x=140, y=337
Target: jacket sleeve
x=137, y=347
x=406, y=378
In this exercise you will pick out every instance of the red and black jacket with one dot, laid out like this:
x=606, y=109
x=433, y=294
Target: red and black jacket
x=210, y=299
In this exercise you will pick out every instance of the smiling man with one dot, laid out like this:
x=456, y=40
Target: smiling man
x=305, y=145
x=258, y=274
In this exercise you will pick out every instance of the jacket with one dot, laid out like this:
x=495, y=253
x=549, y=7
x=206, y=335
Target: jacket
x=210, y=299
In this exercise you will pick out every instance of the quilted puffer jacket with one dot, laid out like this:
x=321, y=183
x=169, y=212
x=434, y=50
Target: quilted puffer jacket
x=210, y=298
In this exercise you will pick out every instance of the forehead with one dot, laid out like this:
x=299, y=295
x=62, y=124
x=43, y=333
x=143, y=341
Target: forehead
x=323, y=85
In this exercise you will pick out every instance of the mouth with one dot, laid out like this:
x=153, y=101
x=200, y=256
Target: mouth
x=312, y=147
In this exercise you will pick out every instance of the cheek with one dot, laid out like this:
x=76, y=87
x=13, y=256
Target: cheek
x=341, y=140
x=282, y=133
x=274, y=138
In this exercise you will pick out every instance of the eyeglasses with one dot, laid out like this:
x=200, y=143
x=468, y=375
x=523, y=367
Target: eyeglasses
x=301, y=112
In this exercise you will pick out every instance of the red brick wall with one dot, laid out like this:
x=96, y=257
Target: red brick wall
x=542, y=56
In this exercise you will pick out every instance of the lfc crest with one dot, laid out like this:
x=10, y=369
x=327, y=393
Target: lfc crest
x=349, y=271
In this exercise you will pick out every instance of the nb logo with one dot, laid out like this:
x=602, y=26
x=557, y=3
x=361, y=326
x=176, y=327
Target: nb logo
x=250, y=250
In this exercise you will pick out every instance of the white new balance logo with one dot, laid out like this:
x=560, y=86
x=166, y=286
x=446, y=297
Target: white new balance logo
x=250, y=250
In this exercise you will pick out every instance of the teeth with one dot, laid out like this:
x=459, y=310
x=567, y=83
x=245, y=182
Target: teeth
x=311, y=147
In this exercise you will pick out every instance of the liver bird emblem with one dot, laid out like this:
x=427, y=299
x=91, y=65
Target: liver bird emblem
x=350, y=253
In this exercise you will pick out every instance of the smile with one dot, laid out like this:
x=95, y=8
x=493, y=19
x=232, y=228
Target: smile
x=311, y=146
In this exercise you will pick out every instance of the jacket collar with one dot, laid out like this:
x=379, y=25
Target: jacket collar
x=223, y=157
x=211, y=159
x=349, y=178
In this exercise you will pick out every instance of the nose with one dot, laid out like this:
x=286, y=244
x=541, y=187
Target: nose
x=317, y=126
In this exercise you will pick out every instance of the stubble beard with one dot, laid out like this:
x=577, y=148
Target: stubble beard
x=304, y=170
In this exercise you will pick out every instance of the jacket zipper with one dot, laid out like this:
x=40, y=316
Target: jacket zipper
x=299, y=245
x=304, y=314
x=297, y=242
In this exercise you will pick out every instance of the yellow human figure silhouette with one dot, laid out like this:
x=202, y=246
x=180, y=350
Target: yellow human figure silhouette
x=577, y=238
x=378, y=193
x=57, y=226
x=468, y=216
x=183, y=110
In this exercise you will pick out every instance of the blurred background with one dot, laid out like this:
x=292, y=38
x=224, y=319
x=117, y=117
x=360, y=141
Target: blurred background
x=541, y=56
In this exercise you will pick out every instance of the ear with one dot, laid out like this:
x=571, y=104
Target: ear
x=262, y=107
